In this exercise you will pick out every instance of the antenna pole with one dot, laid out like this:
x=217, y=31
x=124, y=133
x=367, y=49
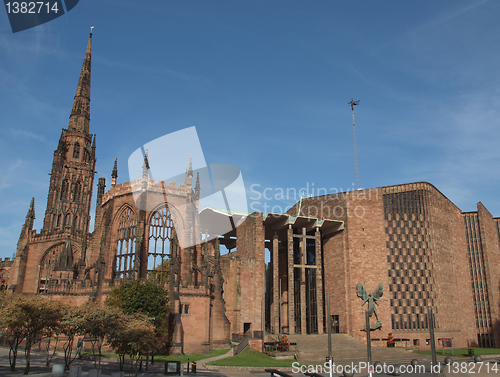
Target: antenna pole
x=356, y=166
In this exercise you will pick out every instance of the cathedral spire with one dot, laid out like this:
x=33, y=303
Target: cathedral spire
x=80, y=113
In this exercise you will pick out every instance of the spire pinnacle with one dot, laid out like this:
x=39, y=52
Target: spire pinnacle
x=80, y=113
x=190, y=171
x=114, y=173
x=30, y=216
x=197, y=186
x=145, y=166
x=31, y=211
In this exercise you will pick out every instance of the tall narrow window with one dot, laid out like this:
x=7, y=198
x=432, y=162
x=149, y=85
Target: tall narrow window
x=125, y=249
x=67, y=220
x=76, y=150
x=160, y=235
x=77, y=197
x=75, y=223
x=311, y=301
x=64, y=190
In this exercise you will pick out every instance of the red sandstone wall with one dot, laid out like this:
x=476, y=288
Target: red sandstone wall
x=367, y=257
x=244, y=277
x=450, y=269
x=491, y=253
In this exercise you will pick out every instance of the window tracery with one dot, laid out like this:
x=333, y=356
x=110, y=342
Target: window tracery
x=159, y=245
x=125, y=251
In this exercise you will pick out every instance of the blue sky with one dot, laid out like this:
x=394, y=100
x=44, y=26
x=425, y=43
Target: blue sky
x=266, y=83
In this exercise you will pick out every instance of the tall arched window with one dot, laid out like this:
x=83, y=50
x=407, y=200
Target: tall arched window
x=159, y=246
x=125, y=249
x=64, y=190
x=58, y=223
x=76, y=150
x=75, y=223
x=67, y=220
x=78, y=192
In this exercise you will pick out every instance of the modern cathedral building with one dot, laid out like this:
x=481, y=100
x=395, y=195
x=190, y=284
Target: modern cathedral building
x=411, y=238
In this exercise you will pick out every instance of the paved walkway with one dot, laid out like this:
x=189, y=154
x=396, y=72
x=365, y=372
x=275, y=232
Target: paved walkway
x=462, y=368
x=210, y=359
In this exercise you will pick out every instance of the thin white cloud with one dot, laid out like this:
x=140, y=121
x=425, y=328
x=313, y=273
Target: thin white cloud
x=27, y=134
x=7, y=173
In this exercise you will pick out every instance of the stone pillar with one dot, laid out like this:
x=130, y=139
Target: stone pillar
x=319, y=282
x=303, y=303
x=276, y=308
x=291, y=299
x=303, y=306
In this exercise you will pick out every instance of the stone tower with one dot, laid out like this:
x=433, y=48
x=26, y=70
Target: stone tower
x=73, y=167
x=56, y=256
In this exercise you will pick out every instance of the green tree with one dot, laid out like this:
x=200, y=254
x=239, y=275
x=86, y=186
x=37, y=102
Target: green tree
x=134, y=336
x=71, y=324
x=98, y=322
x=12, y=327
x=29, y=318
x=145, y=297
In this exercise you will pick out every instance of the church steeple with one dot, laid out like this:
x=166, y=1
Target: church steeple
x=80, y=113
x=73, y=166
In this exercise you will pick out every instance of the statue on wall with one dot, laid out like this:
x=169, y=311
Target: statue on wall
x=371, y=299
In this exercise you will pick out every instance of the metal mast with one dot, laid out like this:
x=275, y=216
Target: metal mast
x=356, y=167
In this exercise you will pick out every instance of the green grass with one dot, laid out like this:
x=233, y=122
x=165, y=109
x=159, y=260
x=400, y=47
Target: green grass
x=252, y=358
x=462, y=352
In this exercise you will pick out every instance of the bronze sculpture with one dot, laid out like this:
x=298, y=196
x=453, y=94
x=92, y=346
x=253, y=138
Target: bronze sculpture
x=371, y=299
